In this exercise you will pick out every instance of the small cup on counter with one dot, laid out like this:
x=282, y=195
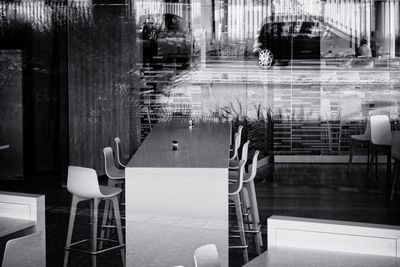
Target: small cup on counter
x=174, y=145
x=191, y=124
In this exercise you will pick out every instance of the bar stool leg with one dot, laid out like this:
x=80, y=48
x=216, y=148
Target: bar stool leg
x=255, y=216
x=236, y=199
x=350, y=157
x=94, y=229
x=109, y=221
x=376, y=168
x=395, y=175
x=119, y=227
x=105, y=221
x=91, y=212
x=244, y=202
x=72, y=215
x=388, y=169
x=368, y=152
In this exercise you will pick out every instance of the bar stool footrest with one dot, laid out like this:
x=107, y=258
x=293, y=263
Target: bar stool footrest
x=239, y=247
x=248, y=231
x=111, y=226
x=94, y=252
x=70, y=248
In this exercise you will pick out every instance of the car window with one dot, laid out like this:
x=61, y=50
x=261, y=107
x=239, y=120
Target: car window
x=286, y=29
x=306, y=27
x=175, y=23
x=279, y=29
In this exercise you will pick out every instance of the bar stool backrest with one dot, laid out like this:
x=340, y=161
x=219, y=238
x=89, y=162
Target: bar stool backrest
x=236, y=146
x=237, y=140
x=380, y=130
x=245, y=151
x=367, y=132
x=206, y=256
x=239, y=131
x=83, y=182
x=239, y=182
x=119, y=151
x=109, y=164
x=253, y=168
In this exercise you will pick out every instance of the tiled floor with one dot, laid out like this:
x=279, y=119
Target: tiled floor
x=306, y=190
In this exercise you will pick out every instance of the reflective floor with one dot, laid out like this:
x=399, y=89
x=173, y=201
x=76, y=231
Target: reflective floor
x=322, y=191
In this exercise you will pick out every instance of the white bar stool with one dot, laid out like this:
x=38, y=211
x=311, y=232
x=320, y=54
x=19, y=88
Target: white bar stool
x=234, y=195
x=116, y=178
x=82, y=183
x=249, y=203
x=249, y=187
x=119, y=153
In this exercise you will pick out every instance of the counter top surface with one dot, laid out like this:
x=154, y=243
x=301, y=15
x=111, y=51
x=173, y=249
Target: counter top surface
x=204, y=146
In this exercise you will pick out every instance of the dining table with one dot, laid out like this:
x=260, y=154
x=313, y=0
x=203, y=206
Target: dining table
x=287, y=256
x=176, y=191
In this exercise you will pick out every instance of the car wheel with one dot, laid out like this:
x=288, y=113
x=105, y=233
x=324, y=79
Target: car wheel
x=265, y=58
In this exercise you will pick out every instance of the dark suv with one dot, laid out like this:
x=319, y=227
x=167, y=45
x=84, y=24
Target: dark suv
x=165, y=38
x=287, y=40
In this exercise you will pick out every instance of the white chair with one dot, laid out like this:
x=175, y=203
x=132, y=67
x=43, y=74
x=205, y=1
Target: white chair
x=116, y=178
x=251, y=202
x=248, y=199
x=234, y=164
x=206, y=256
x=234, y=195
x=119, y=153
x=82, y=183
x=364, y=138
x=381, y=138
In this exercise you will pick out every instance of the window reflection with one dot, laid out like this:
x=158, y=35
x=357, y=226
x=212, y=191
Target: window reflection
x=311, y=70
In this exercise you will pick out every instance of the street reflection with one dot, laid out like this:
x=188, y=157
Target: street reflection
x=302, y=71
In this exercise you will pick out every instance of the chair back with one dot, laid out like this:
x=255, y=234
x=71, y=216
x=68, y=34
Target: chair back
x=239, y=131
x=119, y=151
x=367, y=132
x=245, y=151
x=109, y=163
x=236, y=146
x=253, y=168
x=206, y=256
x=380, y=130
x=239, y=183
x=237, y=140
x=83, y=182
